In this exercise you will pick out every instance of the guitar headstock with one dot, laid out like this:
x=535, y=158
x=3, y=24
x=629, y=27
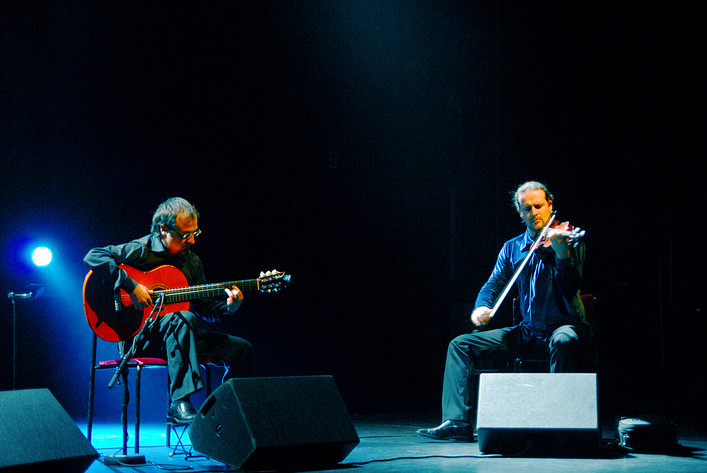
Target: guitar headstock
x=272, y=281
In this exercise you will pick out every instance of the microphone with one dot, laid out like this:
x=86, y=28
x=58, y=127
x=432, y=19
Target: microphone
x=20, y=295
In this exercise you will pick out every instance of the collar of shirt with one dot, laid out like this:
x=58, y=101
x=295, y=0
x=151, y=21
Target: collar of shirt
x=157, y=247
x=526, y=242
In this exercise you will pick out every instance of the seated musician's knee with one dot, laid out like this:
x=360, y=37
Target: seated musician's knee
x=564, y=339
x=186, y=318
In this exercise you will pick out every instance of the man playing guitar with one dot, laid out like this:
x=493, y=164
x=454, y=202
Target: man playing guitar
x=173, y=335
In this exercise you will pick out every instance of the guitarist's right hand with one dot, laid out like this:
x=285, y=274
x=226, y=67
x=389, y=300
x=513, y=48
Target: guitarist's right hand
x=141, y=297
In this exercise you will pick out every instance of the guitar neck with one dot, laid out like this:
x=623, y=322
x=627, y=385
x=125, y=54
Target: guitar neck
x=182, y=294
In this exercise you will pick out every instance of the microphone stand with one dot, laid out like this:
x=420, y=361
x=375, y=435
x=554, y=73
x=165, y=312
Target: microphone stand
x=136, y=339
x=13, y=296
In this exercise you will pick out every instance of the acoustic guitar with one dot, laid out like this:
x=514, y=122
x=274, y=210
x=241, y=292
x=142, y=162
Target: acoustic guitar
x=114, y=318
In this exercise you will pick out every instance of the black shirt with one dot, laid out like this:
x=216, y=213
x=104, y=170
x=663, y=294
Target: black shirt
x=147, y=253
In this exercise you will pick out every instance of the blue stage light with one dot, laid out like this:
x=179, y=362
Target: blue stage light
x=42, y=256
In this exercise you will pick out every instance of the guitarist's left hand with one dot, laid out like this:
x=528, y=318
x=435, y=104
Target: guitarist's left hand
x=235, y=297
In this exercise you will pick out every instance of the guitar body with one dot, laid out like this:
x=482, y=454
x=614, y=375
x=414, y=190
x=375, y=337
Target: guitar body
x=116, y=319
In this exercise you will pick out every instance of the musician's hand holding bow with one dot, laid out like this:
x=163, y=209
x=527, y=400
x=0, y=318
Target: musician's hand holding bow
x=481, y=316
x=235, y=297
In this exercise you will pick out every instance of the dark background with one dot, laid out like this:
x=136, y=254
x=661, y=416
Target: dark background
x=368, y=148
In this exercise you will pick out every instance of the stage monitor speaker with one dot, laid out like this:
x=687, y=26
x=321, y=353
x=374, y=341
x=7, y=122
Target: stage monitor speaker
x=37, y=434
x=267, y=423
x=548, y=413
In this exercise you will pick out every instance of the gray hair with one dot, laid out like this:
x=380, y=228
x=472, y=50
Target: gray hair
x=530, y=186
x=168, y=211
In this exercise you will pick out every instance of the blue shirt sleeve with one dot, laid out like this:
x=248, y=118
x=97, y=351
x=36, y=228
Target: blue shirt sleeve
x=501, y=274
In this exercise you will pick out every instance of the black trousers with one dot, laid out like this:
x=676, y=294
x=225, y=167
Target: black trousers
x=176, y=338
x=565, y=346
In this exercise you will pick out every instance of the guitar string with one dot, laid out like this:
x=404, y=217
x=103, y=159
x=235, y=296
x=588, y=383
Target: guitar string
x=213, y=289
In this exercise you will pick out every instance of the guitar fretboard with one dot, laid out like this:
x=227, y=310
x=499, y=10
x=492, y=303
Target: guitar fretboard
x=182, y=294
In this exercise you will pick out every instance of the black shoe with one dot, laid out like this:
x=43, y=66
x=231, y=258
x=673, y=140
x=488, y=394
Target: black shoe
x=448, y=430
x=181, y=412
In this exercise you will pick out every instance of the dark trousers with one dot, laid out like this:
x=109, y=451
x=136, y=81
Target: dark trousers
x=176, y=338
x=564, y=345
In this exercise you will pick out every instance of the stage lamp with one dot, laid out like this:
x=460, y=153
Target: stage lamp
x=42, y=256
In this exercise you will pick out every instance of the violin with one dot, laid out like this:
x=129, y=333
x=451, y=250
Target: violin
x=573, y=234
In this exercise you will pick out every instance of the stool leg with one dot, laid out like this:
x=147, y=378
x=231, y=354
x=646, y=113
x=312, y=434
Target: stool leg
x=124, y=414
x=169, y=425
x=91, y=390
x=137, y=408
x=89, y=422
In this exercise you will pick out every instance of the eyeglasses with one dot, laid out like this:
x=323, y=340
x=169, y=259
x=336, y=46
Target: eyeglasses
x=185, y=236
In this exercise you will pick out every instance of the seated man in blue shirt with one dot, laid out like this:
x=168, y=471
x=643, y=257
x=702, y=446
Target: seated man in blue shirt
x=553, y=316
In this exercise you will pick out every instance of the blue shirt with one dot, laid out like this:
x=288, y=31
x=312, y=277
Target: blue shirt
x=548, y=287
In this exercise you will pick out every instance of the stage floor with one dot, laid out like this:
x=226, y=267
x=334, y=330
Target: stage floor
x=390, y=444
